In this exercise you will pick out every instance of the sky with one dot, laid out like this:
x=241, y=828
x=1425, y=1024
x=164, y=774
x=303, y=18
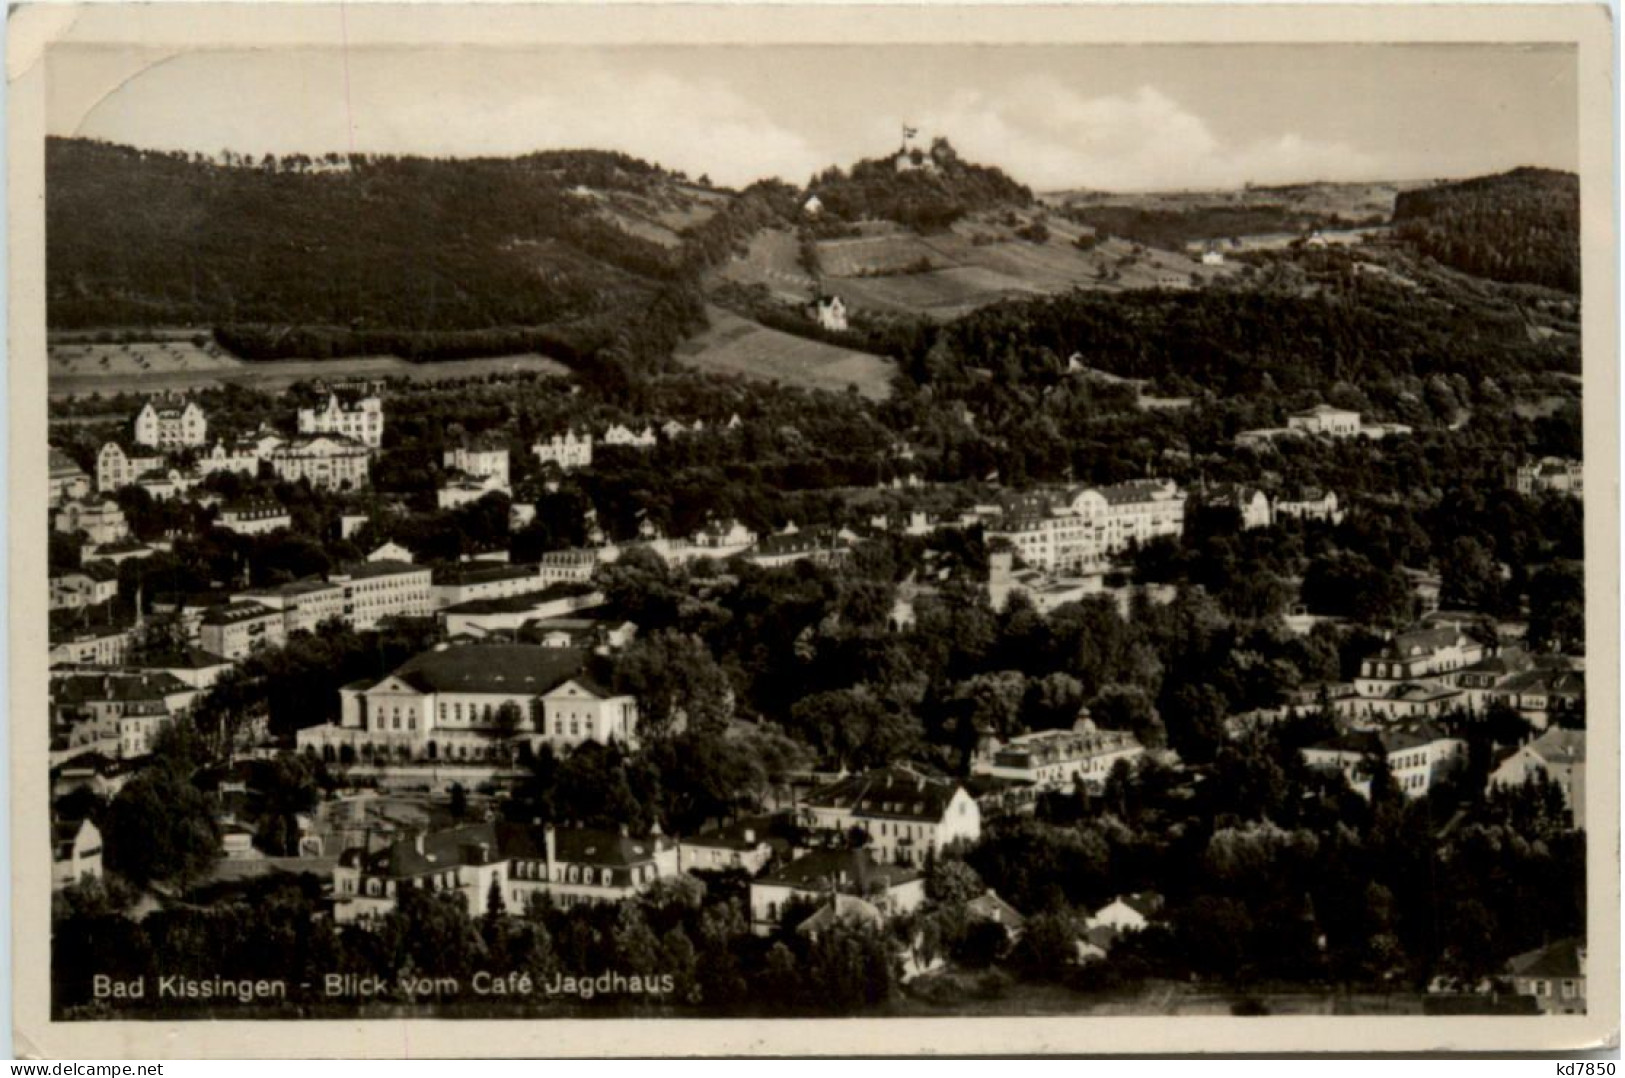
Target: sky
x=1113, y=117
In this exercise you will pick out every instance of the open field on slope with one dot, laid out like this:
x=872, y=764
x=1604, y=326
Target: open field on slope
x=773, y=260
x=735, y=345
x=127, y=376
x=981, y=262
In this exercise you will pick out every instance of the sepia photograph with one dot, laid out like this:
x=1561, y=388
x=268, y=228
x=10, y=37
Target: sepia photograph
x=766, y=517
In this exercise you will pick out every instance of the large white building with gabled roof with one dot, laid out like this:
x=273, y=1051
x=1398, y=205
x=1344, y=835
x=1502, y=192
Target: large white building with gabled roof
x=447, y=704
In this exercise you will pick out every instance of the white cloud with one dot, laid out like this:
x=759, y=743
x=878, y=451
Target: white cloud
x=1051, y=137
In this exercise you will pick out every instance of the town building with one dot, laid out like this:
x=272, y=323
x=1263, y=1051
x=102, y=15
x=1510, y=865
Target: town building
x=193, y=667
x=452, y=703
x=241, y=456
x=116, y=467
x=481, y=458
x=114, y=553
x=1560, y=756
x=1327, y=420
x=375, y=590
x=821, y=546
x=1416, y=655
x=99, y=520
x=391, y=552
x=1126, y=913
x=566, y=451
x=326, y=461
x=1540, y=695
x=830, y=313
x=1079, y=529
x=574, y=566
x=1044, y=591
x=483, y=617
x=905, y=811
x=1554, y=975
x=67, y=480
x=1059, y=759
x=89, y=585
x=238, y=628
x=520, y=863
x=741, y=845
x=627, y=438
x=1418, y=756
x=1253, y=504
x=457, y=584
x=1309, y=504
x=76, y=852
x=360, y=420
x=304, y=604
x=254, y=518
x=171, y=425
x=892, y=889
x=89, y=636
x=459, y=488
x=1551, y=475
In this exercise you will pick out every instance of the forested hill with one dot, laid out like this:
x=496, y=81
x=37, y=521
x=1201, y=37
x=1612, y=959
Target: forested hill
x=1521, y=226
x=938, y=190
x=313, y=257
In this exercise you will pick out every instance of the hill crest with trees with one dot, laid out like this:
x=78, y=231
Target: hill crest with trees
x=1519, y=226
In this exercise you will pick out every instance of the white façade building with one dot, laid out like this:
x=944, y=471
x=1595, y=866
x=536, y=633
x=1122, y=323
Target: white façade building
x=904, y=811
x=379, y=589
x=520, y=862
x=448, y=704
x=100, y=520
x=361, y=420
x=171, y=425
x=567, y=451
x=327, y=461
x=482, y=460
x=1418, y=757
x=1057, y=759
x=117, y=468
x=1414, y=656
x=1079, y=529
x=254, y=517
x=1327, y=420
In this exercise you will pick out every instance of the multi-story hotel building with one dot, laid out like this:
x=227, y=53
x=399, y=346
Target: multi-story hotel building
x=328, y=461
x=361, y=421
x=235, y=629
x=1078, y=530
x=565, y=450
x=171, y=425
x=375, y=590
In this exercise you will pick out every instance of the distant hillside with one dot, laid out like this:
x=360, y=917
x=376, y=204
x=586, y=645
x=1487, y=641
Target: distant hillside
x=1521, y=226
x=931, y=190
x=407, y=255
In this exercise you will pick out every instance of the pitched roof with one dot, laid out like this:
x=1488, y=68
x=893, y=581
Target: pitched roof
x=451, y=575
x=504, y=841
x=844, y=870
x=521, y=669
x=891, y=793
x=1560, y=746
x=234, y=612
x=1382, y=742
x=1560, y=959
x=848, y=909
x=187, y=659
x=990, y=907
x=120, y=687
